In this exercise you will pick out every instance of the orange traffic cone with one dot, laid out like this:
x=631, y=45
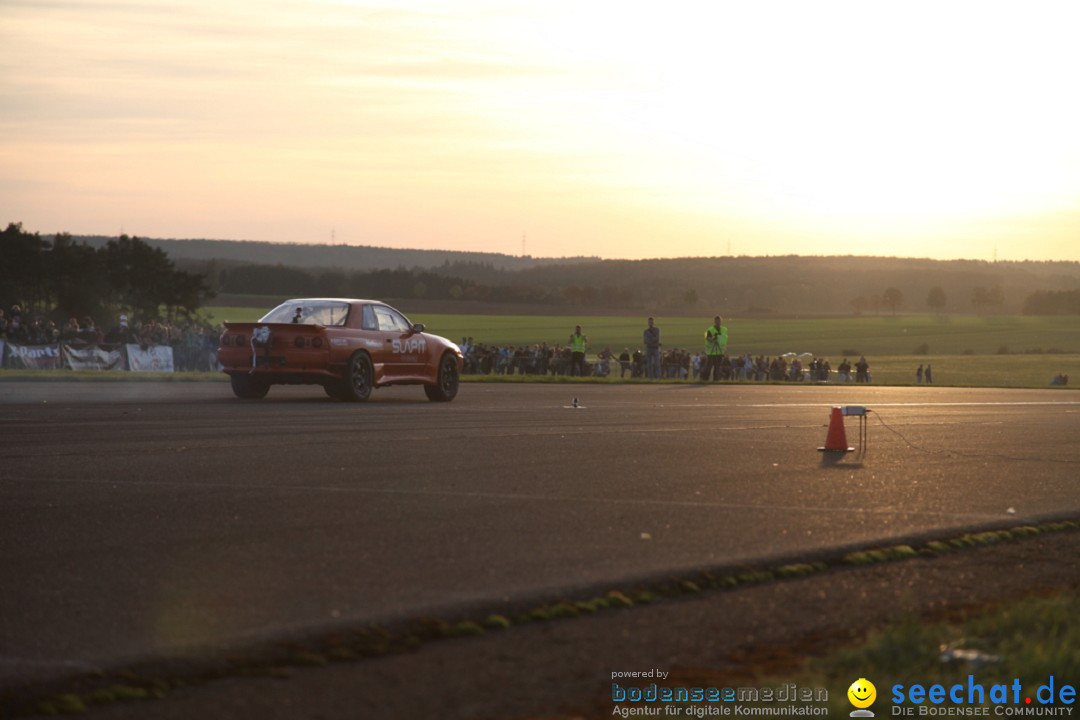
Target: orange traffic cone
x=836, y=439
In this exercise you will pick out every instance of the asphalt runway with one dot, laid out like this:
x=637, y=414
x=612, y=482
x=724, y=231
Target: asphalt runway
x=148, y=519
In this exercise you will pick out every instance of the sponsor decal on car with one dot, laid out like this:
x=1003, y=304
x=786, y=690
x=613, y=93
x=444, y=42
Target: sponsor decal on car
x=339, y=342
x=409, y=345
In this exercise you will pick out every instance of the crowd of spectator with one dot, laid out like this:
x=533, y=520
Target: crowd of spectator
x=676, y=364
x=192, y=344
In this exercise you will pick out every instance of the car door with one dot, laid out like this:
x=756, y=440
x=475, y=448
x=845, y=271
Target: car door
x=374, y=341
x=405, y=351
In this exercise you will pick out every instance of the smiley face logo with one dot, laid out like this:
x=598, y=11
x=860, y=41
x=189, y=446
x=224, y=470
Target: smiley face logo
x=862, y=693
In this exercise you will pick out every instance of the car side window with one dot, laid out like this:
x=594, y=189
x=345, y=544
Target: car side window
x=389, y=320
x=369, y=322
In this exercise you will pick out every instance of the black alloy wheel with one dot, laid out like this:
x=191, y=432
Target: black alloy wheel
x=446, y=387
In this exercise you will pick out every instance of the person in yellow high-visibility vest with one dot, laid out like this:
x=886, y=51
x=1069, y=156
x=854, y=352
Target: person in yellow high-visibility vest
x=715, y=347
x=578, y=343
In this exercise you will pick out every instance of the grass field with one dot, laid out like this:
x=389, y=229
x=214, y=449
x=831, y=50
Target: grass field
x=901, y=335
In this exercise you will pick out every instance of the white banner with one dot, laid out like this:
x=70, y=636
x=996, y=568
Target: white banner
x=150, y=358
x=93, y=357
x=34, y=357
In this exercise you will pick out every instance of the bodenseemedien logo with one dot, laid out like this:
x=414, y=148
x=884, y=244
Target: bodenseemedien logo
x=862, y=694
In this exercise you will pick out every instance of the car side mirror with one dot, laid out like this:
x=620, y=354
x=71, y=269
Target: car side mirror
x=417, y=328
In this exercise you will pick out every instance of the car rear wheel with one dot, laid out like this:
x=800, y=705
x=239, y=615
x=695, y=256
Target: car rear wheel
x=446, y=387
x=360, y=378
x=246, y=387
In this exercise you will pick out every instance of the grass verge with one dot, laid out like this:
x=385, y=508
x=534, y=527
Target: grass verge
x=1032, y=640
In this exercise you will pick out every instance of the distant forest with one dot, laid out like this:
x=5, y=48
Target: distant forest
x=784, y=285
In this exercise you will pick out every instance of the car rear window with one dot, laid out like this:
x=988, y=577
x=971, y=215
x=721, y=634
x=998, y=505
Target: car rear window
x=321, y=312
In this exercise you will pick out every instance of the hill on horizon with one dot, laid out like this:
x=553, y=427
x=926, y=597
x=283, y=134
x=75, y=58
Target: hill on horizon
x=340, y=256
x=741, y=284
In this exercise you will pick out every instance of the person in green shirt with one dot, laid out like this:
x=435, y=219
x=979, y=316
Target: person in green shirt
x=578, y=342
x=715, y=347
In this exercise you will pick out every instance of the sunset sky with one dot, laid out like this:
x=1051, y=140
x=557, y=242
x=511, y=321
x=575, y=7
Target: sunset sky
x=931, y=129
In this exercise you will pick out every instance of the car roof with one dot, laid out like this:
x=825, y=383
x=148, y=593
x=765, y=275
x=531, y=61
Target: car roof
x=329, y=299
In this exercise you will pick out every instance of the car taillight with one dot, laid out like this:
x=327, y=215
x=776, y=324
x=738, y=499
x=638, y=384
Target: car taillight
x=316, y=342
x=240, y=339
x=299, y=341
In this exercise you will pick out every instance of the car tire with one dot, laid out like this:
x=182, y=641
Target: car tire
x=359, y=378
x=246, y=387
x=447, y=381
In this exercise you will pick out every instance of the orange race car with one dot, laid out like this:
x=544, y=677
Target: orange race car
x=349, y=347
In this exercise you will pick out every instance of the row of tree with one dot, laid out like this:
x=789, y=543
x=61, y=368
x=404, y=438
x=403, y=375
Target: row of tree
x=1066, y=302
x=278, y=280
x=61, y=278
x=438, y=284
x=401, y=283
x=982, y=299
